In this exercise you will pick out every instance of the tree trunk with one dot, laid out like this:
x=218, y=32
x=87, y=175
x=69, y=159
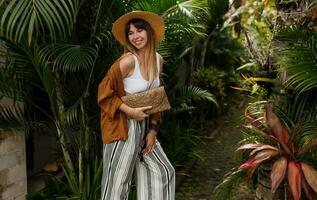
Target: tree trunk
x=59, y=124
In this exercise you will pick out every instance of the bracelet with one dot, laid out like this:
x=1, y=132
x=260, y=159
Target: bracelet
x=154, y=127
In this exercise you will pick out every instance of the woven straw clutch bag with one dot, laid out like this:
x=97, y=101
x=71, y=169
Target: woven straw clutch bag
x=156, y=98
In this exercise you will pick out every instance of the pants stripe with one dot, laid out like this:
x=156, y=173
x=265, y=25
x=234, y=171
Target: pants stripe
x=109, y=169
x=167, y=174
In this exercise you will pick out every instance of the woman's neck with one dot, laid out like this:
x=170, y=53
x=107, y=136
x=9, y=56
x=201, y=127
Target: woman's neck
x=141, y=54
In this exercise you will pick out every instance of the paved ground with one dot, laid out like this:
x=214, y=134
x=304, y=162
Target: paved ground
x=217, y=159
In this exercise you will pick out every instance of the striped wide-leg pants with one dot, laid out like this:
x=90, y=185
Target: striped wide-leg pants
x=154, y=173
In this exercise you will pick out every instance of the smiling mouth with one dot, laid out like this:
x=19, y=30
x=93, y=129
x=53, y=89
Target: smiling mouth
x=138, y=42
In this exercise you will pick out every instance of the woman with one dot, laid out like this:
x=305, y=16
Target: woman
x=128, y=145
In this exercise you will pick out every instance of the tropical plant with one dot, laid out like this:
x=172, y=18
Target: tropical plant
x=284, y=135
x=48, y=60
x=287, y=140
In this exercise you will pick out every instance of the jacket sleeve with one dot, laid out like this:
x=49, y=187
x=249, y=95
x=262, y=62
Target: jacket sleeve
x=108, y=98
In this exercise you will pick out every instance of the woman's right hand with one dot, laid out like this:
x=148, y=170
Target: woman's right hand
x=138, y=113
x=135, y=113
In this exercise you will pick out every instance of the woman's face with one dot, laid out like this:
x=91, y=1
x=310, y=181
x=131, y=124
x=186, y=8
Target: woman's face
x=137, y=37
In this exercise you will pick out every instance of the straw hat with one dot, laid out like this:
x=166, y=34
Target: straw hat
x=156, y=22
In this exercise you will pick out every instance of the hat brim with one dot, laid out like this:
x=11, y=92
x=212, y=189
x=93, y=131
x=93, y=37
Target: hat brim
x=155, y=21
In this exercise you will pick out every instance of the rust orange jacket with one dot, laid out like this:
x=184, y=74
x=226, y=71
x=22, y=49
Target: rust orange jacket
x=113, y=122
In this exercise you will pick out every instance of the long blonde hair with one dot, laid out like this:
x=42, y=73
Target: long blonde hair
x=150, y=56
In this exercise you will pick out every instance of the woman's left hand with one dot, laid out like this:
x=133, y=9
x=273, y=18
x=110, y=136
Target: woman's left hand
x=150, y=142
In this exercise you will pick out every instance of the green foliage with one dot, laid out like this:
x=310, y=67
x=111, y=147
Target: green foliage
x=12, y=118
x=300, y=115
x=297, y=56
x=54, y=188
x=184, y=19
x=30, y=18
x=269, y=34
x=179, y=139
x=66, y=187
x=217, y=9
x=69, y=58
x=212, y=80
x=232, y=180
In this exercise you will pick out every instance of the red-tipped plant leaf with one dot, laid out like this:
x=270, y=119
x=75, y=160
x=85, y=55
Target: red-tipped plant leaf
x=249, y=146
x=262, y=147
x=278, y=129
x=294, y=179
x=257, y=124
x=251, y=163
x=266, y=153
x=278, y=173
x=259, y=158
x=310, y=194
x=311, y=176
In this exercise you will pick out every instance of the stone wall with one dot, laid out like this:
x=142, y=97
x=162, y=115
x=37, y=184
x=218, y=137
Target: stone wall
x=13, y=181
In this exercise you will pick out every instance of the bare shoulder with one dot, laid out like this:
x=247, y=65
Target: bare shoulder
x=126, y=64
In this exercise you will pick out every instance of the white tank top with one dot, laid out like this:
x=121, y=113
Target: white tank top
x=136, y=83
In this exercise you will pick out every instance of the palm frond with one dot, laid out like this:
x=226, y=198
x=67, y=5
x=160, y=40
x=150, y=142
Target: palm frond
x=71, y=114
x=15, y=72
x=229, y=184
x=182, y=108
x=297, y=109
x=11, y=117
x=45, y=74
x=186, y=20
x=183, y=19
x=33, y=16
x=308, y=133
x=297, y=55
x=164, y=49
x=196, y=93
x=69, y=57
x=9, y=87
x=103, y=37
x=157, y=7
x=74, y=97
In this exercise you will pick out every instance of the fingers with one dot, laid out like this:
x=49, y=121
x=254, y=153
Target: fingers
x=138, y=113
x=141, y=117
x=150, y=143
x=148, y=149
x=145, y=108
x=143, y=114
